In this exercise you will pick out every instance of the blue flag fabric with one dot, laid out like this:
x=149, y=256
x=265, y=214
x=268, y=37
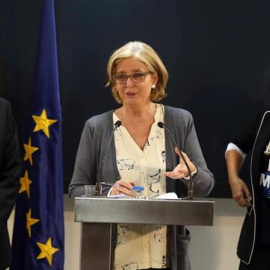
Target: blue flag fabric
x=38, y=236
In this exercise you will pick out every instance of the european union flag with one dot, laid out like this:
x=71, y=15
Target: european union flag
x=38, y=237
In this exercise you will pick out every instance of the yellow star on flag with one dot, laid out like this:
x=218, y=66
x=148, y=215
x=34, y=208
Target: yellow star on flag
x=29, y=150
x=30, y=221
x=43, y=123
x=25, y=184
x=47, y=251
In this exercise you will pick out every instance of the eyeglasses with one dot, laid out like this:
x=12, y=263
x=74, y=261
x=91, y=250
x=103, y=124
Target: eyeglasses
x=136, y=77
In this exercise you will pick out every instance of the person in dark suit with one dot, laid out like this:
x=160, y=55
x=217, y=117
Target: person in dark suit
x=10, y=169
x=254, y=241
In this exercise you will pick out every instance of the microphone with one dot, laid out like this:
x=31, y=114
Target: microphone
x=98, y=191
x=190, y=195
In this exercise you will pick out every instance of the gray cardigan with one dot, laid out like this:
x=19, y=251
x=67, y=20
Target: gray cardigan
x=97, y=141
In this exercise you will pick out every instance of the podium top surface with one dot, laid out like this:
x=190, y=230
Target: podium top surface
x=199, y=212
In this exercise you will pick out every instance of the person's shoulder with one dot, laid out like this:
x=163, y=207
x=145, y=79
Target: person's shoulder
x=179, y=112
x=259, y=114
x=5, y=107
x=100, y=119
x=265, y=109
x=4, y=102
x=179, y=117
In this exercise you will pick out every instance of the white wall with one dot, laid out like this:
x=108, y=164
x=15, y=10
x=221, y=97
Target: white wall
x=212, y=247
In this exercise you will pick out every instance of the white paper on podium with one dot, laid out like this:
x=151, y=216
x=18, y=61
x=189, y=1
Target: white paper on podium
x=119, y=196
x=169, y=195
x=166, y=196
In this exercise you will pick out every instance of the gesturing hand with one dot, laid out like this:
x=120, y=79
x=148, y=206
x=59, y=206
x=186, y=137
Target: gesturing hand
x=181, y=170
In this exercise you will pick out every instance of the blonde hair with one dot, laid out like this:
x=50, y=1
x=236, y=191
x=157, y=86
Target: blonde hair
x=146, y=55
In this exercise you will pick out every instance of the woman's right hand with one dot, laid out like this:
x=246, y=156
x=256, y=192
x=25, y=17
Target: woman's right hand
x=240, y=192
x=123, y=187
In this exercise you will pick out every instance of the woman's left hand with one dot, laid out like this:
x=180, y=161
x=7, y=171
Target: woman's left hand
x=181, y=170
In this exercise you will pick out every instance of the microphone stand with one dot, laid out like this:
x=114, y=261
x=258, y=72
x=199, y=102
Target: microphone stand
x=190, y=194
x=98, y=191
x=190, y=188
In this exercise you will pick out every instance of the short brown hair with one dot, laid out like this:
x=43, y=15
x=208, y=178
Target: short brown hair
x=144, y=53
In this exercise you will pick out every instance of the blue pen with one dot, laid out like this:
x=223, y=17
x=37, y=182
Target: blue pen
x=135, y=188
x=138, y=188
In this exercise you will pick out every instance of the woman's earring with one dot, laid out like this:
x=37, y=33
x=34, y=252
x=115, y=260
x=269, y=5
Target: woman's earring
x=153, y=86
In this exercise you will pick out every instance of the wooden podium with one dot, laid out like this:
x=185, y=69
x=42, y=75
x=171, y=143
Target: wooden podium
x=97, y=214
